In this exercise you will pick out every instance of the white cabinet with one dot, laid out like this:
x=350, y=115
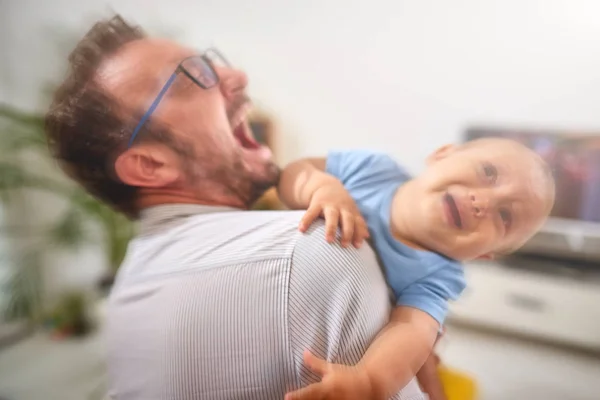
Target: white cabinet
x=532, y=303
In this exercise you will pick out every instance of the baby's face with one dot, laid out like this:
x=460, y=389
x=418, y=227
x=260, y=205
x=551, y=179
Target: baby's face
x=481, y=199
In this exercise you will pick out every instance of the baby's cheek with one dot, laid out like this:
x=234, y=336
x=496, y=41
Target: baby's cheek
x=489, y=240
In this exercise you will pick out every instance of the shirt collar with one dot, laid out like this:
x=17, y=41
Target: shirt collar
x=159, y=218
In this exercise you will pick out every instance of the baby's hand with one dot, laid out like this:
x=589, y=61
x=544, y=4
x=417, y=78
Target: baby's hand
x=334, y=203
x=338, y=382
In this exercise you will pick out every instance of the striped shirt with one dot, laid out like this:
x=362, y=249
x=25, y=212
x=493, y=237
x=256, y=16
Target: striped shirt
x=217, y=303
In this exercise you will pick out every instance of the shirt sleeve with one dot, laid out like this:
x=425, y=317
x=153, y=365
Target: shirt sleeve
x=356, y=168
x=432, y=293
x=336, y=301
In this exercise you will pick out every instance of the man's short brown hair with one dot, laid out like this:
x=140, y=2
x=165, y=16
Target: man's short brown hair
x=83, y=128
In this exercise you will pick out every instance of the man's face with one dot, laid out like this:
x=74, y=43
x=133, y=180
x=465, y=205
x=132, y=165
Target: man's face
x=479, y=200
x=212, y=124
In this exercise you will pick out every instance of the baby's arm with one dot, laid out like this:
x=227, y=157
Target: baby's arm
x=413, y=328
x=399, y=351
x=429, y=379
x=389, y=364
x=304, y=184
x=300, y=180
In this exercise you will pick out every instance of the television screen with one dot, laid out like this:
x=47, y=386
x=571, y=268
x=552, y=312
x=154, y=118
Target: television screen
x=575, y=162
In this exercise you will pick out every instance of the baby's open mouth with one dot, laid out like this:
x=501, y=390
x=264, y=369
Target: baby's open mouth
x=453, y=210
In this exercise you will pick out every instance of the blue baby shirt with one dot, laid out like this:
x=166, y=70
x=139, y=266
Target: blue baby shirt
x=421, y=279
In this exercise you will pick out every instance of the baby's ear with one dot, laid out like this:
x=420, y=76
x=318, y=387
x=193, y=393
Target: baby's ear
x=441, y=153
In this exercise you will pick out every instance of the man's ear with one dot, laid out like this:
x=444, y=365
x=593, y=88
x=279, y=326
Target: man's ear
x=147, y=166
x=441, y=153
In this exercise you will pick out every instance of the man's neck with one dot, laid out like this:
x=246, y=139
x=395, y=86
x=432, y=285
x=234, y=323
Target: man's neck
x=147, y=200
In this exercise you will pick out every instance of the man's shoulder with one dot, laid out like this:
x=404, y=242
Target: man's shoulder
x=267, y=218
x=228, y=237
x=255, y=233
x=274, y=234
x=312, y=249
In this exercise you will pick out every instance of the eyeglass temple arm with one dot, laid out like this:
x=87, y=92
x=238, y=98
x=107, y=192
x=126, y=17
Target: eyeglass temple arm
x=152, y=108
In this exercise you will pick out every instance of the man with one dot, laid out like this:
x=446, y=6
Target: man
x=212, y=301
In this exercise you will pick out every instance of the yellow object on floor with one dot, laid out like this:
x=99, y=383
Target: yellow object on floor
x=457, y=384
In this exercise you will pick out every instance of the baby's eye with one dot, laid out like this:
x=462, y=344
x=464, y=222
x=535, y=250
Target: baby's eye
x=490, y=172
x=506, y=217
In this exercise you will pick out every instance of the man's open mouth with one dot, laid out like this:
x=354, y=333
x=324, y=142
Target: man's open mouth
x=245, y=137
x=451, y=204
x=241, y=129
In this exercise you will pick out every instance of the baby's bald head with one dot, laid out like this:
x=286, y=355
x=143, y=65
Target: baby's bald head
x=484, y=197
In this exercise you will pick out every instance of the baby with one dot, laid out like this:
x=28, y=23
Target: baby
x=477, y=200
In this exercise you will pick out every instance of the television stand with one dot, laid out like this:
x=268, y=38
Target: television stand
x=513, y=295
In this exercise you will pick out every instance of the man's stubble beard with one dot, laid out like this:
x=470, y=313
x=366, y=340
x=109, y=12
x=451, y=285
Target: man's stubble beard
x=231, y=179
x=260, y=186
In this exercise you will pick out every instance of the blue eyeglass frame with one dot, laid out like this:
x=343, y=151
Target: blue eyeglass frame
x=203, y=58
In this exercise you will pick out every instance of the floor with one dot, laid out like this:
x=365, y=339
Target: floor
x=39, y=368
x=505, y=368
x=510, y=368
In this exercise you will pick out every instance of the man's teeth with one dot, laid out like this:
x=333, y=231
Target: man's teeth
x=237, y=122
x=241, y=116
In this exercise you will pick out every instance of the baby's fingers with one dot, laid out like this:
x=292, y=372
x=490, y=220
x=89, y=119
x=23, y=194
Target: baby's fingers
x=311, y=392
x=348, y=227
x=361, y=231
x=332, y=219
x=309, y=217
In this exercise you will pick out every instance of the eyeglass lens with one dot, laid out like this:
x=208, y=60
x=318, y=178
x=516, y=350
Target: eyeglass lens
x=202, y=68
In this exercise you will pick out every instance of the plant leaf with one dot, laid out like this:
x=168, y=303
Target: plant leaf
x=23, y=118
x=22, y=133
x=70, y=231
x=25, y=289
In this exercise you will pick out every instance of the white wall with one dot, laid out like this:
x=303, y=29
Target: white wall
x=403, y=76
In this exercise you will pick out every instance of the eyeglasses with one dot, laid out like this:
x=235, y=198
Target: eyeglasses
x=199, y=68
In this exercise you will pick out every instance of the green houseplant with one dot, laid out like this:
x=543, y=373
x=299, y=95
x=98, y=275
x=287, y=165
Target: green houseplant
x=22, y=139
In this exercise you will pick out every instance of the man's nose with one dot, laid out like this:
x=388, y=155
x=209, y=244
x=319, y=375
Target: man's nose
x=232, y=82
x=480, y=203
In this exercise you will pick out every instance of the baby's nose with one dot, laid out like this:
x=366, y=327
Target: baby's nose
x=480, y=205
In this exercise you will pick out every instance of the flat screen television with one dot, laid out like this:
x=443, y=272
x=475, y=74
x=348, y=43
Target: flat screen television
x=573, y=228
